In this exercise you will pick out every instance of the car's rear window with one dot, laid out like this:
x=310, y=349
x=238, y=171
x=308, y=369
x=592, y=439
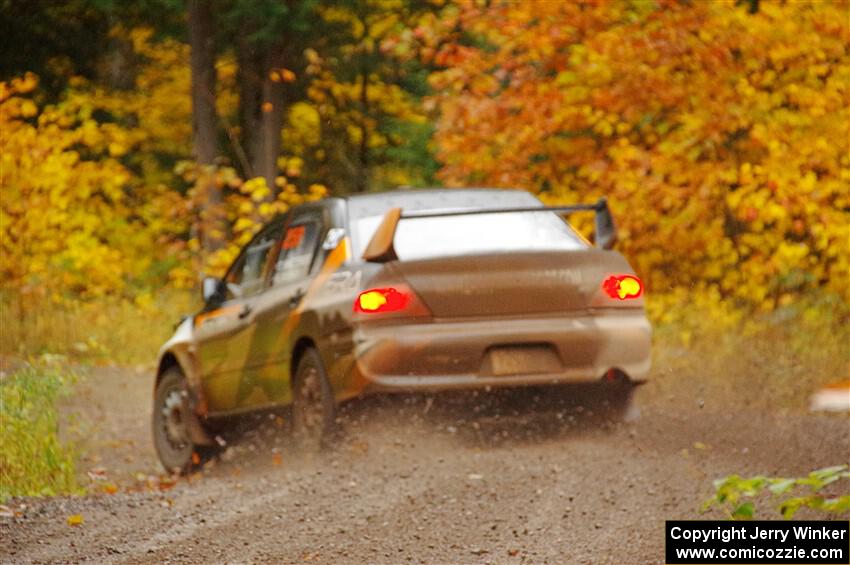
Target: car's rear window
x=422, y=238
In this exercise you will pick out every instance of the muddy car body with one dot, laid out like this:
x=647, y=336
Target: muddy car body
x=402, y=291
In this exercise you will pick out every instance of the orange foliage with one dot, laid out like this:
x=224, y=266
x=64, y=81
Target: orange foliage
x=720, y=136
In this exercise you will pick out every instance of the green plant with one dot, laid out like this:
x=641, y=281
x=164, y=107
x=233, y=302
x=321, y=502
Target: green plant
x=33, y=459
x=737, y=495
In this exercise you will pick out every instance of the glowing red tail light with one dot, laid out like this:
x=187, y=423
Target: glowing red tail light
x=623, y=287
x=381, y=300
x=397, y=299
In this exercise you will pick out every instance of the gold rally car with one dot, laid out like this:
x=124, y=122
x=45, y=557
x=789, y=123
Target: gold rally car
x=412, y=290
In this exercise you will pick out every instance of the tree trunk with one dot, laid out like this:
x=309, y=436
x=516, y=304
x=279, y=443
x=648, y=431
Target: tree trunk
x=363, y=178
x=202, y=62
x=250, y=98
x=272, y=124
x=262, y=104
x=209, y=226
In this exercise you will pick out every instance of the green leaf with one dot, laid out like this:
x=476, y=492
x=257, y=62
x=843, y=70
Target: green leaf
x=790, y=507
x=828, y=472
x=753, y=486
x=781, y=486
x=718, y=483
x=744, y=511
x=838, y=505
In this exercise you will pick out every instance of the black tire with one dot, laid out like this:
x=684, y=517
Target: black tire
x=313, y=409
x=171, y=437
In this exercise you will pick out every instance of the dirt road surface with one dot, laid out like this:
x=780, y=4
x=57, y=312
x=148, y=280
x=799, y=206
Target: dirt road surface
x=413, y=480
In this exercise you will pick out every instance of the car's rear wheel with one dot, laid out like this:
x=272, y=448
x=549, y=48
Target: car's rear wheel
x=172, y=418
x=313, y=403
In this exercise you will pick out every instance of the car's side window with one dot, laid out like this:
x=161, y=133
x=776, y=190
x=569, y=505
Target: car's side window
x=297, y=249
x=247, y=276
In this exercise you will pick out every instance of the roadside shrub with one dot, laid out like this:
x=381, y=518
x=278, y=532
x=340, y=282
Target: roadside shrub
x=738, y=496
x=33, y=460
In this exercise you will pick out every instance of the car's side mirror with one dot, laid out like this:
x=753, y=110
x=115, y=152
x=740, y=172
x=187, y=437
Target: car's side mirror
x=210, y=287
x=605, y=232
x=332, y=239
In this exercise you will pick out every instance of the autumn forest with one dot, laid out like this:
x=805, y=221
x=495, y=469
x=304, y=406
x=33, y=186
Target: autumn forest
x=142, y=143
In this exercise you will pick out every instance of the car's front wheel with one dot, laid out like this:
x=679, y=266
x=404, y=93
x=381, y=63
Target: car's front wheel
x=313, y=403
x=172, y=418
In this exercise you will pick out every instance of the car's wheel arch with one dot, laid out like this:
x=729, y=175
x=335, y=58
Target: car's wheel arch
x=175, y=358
x=166, y=362
x=169, y=365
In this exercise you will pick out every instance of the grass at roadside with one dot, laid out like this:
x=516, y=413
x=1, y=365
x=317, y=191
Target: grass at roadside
x=33, y=460
x=769, y=360
x=114, y=330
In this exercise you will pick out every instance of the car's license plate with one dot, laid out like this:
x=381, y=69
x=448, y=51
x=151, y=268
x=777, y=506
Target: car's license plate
x=520, y=360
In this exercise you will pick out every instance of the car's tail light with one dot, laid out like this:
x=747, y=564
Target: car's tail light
x=623, y=287
x=381, y=300
x=399, y=299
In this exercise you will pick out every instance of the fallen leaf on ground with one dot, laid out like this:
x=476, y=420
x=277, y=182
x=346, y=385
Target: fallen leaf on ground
x=75, y=520
x=166, y=483
x=97, y=474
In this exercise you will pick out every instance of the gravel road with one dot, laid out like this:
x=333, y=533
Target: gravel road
x=413, y=480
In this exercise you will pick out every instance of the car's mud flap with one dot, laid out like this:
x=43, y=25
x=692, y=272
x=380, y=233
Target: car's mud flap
x=197, y=433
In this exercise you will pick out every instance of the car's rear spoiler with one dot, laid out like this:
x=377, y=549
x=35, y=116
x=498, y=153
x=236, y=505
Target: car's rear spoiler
x=381, y=248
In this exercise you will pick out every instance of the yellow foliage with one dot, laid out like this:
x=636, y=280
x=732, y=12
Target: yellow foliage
x=70, y=221
x=246, y=207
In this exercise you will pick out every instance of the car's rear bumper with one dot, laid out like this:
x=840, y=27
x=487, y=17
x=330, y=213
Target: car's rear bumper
x=456, y=354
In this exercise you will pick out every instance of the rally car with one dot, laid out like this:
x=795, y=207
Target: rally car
x=411, y=290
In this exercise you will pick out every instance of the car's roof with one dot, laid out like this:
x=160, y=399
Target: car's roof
x=377, y=203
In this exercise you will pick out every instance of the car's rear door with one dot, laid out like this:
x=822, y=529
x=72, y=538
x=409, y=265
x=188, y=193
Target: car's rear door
x=277, y=314
x=224, y=331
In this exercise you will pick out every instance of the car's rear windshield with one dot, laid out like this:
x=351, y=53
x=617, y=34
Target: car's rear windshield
x=445, y=236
